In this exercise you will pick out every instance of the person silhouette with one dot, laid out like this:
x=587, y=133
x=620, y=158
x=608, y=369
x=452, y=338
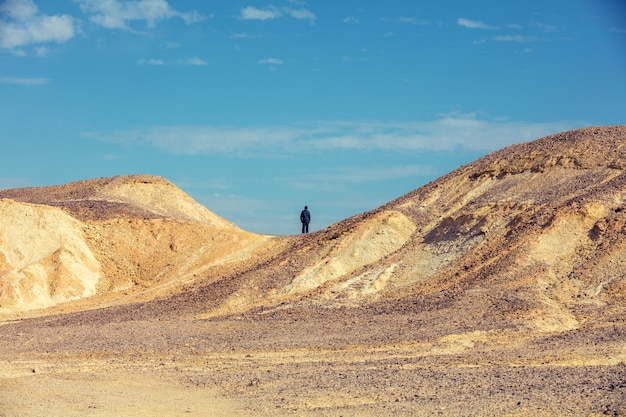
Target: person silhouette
x=305, y=218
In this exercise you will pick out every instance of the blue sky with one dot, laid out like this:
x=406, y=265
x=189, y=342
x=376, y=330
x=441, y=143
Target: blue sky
x=256, y=108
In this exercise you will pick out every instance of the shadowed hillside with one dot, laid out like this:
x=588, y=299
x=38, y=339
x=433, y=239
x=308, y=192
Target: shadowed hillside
x=498, y=289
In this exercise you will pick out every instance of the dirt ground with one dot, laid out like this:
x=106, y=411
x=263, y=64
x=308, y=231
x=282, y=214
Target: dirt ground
x=315, y=363
x=102, y=389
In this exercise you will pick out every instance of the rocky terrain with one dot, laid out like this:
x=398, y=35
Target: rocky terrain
x=496, y=290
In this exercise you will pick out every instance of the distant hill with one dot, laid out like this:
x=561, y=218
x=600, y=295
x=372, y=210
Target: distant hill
x=120, y=235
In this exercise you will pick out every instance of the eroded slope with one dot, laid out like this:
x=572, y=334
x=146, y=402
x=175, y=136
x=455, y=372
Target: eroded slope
x=108, y=240
x=528, y=237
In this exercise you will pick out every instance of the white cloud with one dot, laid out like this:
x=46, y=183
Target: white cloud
x=410, y=20
x=350, y=19
x=413, y=21
x=272, y=12
x=405, y=19
x=243, y=35
x=21, y=24
x=448, y=133
x=42, y=51
x=195, y=140
x=18, y=52
x=252, y=13
x=195, y=61
x=115, y=14
x=151, y=61
x=515, y=38
x=172, y=45
x=303, y=14
x=24, y=81
x=357, y=175
x=547, y=28
x=19, y=9
x=271, y=61
x=473, y=24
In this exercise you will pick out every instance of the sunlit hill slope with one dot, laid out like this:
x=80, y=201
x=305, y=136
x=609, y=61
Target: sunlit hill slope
x=534, y=233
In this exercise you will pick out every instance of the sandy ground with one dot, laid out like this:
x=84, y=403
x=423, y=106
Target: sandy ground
x=102, y=389
x=306, y=365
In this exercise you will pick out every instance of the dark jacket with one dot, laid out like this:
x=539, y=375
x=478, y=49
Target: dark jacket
x=305, y=216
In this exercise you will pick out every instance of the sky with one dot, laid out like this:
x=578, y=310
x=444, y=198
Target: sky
x=257, y=108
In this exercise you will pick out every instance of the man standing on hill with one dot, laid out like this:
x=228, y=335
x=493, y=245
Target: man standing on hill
x=305, y=218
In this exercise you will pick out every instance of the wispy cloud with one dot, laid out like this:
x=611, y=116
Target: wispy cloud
x=474, y=24
x=273, y=12
x=413, y=21
x=271, y=61
x=150, y=61
x=547, y=28
x=340, y=179
x=515, y=38
x=21, y=24
x=405, y=19
x=17, y=52
x=8, y=182
x=172, y=45
x=448, y=133
x=358, y=174
x=194, y=61
x=243, y=35
x=301, y=14
x=42, y=51
x=116, y=14
x=350, y=20
x=252, y=13
x=24, y=81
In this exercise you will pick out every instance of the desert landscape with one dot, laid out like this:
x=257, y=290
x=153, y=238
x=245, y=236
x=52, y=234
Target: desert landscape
x=498, y=289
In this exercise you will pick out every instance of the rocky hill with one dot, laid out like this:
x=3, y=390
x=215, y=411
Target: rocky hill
x=498, y=289
x=106, y=238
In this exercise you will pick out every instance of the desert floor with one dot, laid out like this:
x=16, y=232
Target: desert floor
x=306, y=363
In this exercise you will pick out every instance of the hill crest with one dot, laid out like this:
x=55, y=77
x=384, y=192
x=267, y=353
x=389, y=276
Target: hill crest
x=144, y=196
